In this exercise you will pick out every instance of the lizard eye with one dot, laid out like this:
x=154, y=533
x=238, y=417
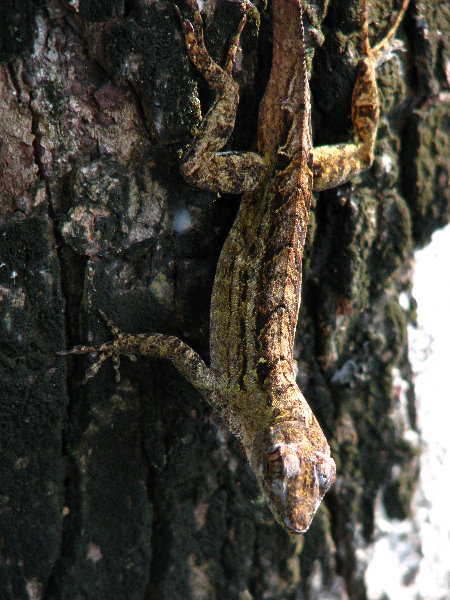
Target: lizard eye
x=325, y=472
x=274, y=464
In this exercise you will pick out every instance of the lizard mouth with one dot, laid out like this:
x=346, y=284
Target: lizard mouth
x=297, y=527
x=297, y=518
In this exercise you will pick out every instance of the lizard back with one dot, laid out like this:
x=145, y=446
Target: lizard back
x=256, y=294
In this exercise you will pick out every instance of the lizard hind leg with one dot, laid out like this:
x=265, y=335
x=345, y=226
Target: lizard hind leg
x=365, y=102
x=334, y=165
x=205, y=165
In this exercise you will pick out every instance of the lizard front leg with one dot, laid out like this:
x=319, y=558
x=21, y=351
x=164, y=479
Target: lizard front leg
x=156, y=345
x=334, y=165
x=204, y=166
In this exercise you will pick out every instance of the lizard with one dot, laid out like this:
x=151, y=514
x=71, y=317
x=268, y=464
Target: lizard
x=257, y=287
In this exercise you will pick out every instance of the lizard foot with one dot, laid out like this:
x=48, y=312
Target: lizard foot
x=120, y=345
x=377, y=53
x=215, y=75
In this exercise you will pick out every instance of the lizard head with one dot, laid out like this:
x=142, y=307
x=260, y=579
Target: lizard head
x=293, y=475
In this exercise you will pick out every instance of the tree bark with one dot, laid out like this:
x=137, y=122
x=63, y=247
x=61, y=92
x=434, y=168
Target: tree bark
x=137, y=490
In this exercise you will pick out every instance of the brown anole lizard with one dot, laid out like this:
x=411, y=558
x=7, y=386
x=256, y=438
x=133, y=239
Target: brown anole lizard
x=256, y=295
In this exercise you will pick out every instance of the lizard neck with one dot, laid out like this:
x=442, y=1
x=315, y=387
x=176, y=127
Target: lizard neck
x=277, y=401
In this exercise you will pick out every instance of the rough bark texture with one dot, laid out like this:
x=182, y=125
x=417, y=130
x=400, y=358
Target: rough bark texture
x=137, y=490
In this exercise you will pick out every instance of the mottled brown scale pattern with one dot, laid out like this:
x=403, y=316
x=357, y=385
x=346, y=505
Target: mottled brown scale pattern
x=257, y=288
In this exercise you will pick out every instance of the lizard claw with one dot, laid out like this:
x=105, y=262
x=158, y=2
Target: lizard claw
x=104, y=351
x=111, y=325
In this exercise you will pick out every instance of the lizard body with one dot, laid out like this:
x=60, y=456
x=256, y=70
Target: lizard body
x=257, y=288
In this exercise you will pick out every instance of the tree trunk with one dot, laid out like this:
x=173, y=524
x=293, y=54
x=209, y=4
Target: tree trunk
x=137, y=490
